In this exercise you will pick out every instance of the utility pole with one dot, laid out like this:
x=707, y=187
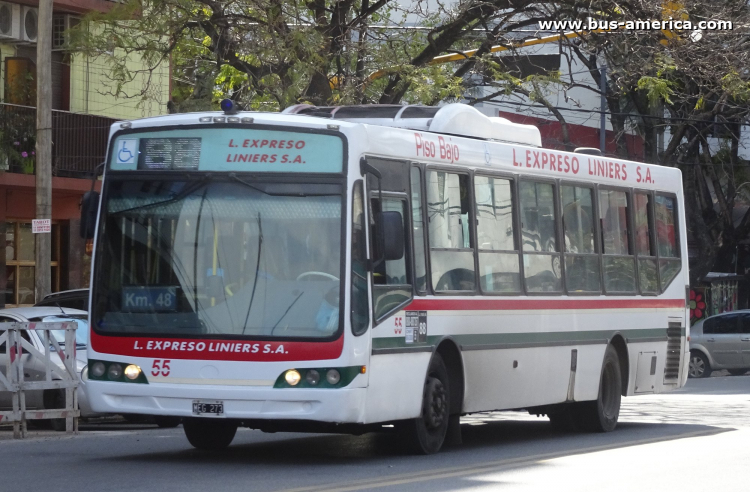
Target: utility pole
x=43, y=148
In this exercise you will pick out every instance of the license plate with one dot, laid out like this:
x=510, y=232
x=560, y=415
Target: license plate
x=202, y=407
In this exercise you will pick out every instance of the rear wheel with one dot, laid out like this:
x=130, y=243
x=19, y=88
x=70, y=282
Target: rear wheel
x=209, y=434
x=737, y=372
x=601, y=414
x=699, y=365
x=426, y=434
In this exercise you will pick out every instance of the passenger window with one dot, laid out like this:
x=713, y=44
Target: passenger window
x=496, y=238
x=644, y=245
x=392, y=285
x=420, y=262
x=451, y=252
x=619, y=266
x=541, y=259
x=666, y=239
x=582, y=272
x=745, y=324
x=726, y=325
x=359, y=313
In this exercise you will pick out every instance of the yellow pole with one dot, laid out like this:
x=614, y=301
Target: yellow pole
x=495, y=49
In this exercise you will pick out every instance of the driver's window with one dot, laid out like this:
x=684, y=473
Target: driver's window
x=391, y=279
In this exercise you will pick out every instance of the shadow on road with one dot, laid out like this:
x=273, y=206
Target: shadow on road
x=488, y=440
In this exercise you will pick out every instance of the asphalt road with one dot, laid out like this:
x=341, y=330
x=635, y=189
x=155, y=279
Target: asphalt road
x=693, y=439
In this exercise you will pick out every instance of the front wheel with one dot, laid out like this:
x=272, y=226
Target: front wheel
x=426, y=434
x=209, y=434
x=699, y=365
x=601, y=414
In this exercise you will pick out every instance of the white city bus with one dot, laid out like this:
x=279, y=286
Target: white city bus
x=349, y=268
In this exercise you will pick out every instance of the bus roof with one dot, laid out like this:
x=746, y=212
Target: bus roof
x=453, y=134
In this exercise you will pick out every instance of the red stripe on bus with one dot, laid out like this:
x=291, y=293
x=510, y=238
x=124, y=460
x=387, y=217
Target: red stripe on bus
x=473, y=304
x=216, y=349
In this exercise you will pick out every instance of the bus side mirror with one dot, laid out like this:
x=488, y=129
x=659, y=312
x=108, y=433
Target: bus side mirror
x=89, y=206
x=393, y=235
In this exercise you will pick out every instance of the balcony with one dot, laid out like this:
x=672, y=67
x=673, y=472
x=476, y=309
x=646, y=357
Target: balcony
x=79, y=141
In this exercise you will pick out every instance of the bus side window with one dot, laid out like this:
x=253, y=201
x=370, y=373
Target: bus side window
x=417, y=220
x=666, y=239
x=496, y=238
x=359, y=314
x=582, y=270
x=618, y=260
x=541, y=253
x=644, y=243
x=391, y=278
x=451, y=251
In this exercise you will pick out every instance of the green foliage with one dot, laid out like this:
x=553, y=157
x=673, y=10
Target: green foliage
x=657, y=89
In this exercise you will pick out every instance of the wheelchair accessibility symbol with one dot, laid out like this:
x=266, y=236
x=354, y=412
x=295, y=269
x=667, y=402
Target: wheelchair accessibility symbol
x=127, y=150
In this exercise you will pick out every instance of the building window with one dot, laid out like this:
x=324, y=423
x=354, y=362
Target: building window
x=20, y=264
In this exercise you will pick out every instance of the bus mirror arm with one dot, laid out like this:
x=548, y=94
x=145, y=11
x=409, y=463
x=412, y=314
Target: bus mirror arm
x=89, y=205
x=365, y=169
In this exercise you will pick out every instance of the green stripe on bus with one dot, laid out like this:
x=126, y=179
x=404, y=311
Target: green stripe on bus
x=535, y=339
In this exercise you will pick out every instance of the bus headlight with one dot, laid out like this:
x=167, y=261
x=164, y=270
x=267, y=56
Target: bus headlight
x=292, y=377
x=312, y=377
x=333, y=376
x=132, y=372
x=97, y=369
x=115, y=371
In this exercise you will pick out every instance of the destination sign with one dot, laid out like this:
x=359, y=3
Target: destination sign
x=228, y=149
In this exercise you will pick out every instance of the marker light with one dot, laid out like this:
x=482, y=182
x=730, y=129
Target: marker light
x=312, y=377
x=97, y=369
x=333, y=376
x=229, y=106
x=115, y=371
x=132, y=372
x=292, y=377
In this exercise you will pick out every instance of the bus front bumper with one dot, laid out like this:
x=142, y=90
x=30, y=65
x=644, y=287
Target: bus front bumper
x=341, y=405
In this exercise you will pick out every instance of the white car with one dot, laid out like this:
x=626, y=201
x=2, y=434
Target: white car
x=34, y=368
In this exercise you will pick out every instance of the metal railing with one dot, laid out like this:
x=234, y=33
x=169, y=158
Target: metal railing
x=79, y=141
x=59, y=373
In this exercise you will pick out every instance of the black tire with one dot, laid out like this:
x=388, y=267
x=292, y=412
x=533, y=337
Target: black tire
x=426, y=434
x=55, y=399
x=737, y=372
x=209, y=434
x=167, y=422
x=699, y=366
x=601, y=415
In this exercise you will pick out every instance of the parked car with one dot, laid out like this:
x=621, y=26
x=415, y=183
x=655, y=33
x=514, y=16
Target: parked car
x=74, y=299
x=34, y=368
x=720, y=342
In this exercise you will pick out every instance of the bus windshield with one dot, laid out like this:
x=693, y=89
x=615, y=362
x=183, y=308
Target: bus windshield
x=219, y=256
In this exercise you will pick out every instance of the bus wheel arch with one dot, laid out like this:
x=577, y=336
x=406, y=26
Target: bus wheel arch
x=621, y=347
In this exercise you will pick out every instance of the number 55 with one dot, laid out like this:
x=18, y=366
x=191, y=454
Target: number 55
x=160, y=367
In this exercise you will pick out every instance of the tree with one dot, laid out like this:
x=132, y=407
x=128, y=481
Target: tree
x=274, y=53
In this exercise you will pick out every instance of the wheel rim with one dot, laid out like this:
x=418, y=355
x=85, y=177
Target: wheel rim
x=435, y=404
x=697, y=366
x=609, y=395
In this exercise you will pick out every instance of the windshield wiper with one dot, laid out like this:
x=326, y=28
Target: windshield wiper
x=183, y=193
x=257, y=269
